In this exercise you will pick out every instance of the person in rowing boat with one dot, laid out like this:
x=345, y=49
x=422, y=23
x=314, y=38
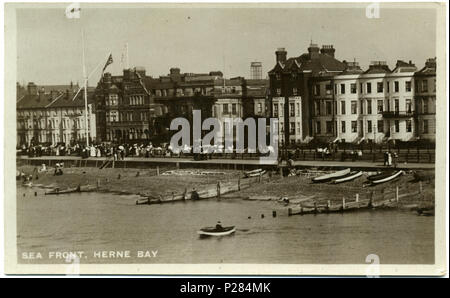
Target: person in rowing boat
x=194, y=195
x=219, y=226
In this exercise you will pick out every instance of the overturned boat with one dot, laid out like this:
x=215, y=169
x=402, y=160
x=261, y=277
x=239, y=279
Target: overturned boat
x=254, y=173
x=213, y=231
x=351, y=176
x=331, y=176
x=385, y=178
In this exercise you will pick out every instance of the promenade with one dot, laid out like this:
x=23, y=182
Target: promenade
x=226, y=163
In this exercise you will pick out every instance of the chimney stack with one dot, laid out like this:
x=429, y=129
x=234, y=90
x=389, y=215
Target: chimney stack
x=281, y=55
x=313, y=51
x=328, y=50
x=32, y=88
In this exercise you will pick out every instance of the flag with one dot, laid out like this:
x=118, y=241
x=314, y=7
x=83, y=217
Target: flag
x=110, y=60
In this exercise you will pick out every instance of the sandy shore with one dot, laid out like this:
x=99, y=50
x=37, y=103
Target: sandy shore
x=297, y=188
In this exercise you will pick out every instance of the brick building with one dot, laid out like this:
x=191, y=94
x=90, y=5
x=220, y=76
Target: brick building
x=51, y=114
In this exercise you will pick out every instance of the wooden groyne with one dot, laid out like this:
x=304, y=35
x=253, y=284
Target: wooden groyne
x=385, y=200
x=220, y=189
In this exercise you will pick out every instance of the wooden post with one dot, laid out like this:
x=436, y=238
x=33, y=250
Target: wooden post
x=289, y=211
x=218, y=189
x=98, y=183
x=178, y=165
x=157, y=170
x=343, y=203
x=239, y=183
x=420, y=187
x=357, y=197
x=274, y=213
x=396, y=193
x=371, y=200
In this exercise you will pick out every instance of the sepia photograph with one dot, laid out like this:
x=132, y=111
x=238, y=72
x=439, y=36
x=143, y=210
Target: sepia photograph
x=225, y=138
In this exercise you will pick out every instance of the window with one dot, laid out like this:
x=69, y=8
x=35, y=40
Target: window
x=298, y=109
x=408, y=126
x=328, y=107
x=316, y=89
x=354, y=107
x=396, y=106
x=294, y=91
x=292, y=128
x=294, y=76
x=275, y=110
x=233, y=109
x=317, y=103
x=329, y=125
x=343, y=126
x=424, y=86
x=225, y=108
x=408, y=106
x=408, y=86
x=361, y=87
x=291, y=109
x=425, y=126
x=343, y=107
x=380, y=87
x=318, y=127
x=259, y=107
x=354, y=126
x=298, y=127
x=369, y=88
x=425, y=105
x=380, y=125
x=353, y=88
x=396, y=86
x=328, y=89
x=369, y=106
x=397, y=125
x=369, y=126
x=387, y=86
x=342, y=88
x=278, y=91
x=278, y=76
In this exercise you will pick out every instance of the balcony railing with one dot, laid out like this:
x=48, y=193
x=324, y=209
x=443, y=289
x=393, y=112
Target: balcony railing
x=397, y=114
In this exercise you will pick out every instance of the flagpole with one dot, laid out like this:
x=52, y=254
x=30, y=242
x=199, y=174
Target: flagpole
x=128, y=62
x=85, y=92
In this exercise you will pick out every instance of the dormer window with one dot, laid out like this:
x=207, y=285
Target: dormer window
x=278, y=76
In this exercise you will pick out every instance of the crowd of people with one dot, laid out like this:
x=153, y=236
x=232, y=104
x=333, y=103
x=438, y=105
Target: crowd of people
x=117, y=151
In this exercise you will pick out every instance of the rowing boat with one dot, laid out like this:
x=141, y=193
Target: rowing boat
x=328, y=177
x=388, y=178
x=380, y=175
x=212, y=231
x=351, y=176
x=254, y=173
x=57, y=191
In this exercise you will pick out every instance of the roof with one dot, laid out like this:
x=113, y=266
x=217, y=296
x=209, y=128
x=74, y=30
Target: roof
x=429, y=68
x=31, y=101
x=317, y=64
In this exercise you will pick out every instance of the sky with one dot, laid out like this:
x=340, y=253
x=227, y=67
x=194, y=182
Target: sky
x=49, y=45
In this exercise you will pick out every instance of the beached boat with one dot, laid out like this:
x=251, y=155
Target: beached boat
x=351, y=176
x=254, y=173
x=388, y=178
x=58, y=191
x=381, y=175
x=212, y=231
x=331, y=176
